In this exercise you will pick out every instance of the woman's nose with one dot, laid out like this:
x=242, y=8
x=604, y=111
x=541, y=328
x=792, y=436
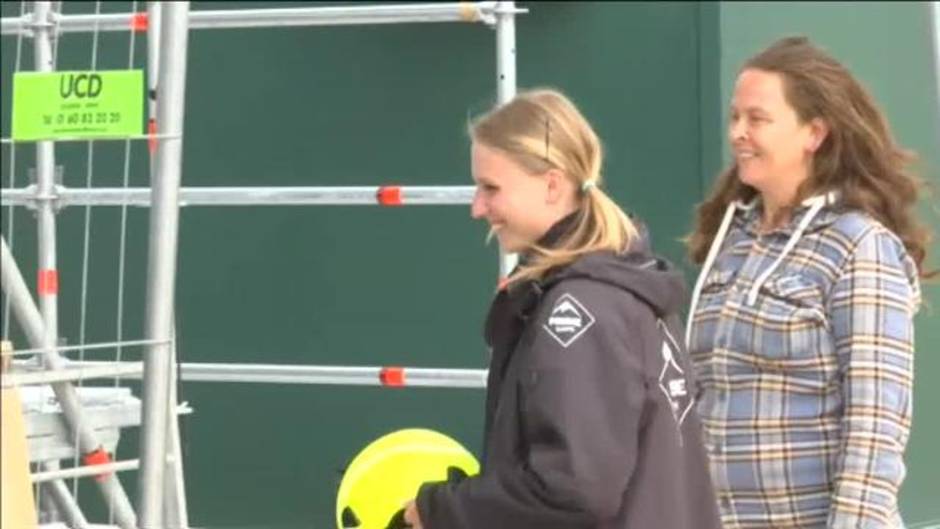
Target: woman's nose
x=477, y=207
x=736, y=130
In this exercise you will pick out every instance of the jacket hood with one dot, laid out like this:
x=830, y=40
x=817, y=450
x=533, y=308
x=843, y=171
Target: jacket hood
x=652, y=279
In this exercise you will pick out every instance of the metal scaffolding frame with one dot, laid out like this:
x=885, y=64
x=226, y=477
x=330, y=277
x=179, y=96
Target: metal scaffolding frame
x=61, y=196
x=390, y=376
x=486, y=12
x=162, y=496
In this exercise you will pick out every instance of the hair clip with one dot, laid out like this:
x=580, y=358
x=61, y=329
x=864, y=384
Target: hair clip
x=548, y=131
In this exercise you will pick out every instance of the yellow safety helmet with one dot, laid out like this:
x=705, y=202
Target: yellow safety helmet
x=389, y=472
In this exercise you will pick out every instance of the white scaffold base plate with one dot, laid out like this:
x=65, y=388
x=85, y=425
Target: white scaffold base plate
x=105, y=410
x=60, y=525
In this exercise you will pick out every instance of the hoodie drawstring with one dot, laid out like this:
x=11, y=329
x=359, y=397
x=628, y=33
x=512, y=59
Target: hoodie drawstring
x=815, y=204
x=709, y=261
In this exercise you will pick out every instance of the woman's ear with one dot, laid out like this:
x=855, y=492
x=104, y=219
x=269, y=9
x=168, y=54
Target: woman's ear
x=557, y=185
x=818, y=131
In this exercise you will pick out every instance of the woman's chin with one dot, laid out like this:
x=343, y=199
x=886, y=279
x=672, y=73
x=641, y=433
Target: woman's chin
x=750, y=178
x=509, y=246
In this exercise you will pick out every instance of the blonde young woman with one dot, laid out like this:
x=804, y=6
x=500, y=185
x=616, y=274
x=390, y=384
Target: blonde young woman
x=589, y=420
x=801, y=321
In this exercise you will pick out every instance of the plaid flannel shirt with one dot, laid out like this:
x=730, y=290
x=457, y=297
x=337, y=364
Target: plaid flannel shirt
x=806, y=393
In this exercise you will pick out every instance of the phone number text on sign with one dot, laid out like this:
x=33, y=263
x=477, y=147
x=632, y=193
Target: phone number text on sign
x=57, y=105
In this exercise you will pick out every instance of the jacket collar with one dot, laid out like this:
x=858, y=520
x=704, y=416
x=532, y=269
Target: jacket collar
x=521, y=298
x=554, y=234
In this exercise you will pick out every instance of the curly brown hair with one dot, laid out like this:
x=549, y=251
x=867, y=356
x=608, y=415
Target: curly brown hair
x=859, y=156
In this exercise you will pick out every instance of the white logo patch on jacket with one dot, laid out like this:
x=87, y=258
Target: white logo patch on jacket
x=568, y=320
x=672, y=380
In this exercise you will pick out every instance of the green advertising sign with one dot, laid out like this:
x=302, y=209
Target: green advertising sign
x=78, y=104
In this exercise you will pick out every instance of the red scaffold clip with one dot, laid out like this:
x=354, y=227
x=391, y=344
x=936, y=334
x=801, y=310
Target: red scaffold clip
x=139, y=22
x=98, y=457
x=392, y=376
x=152, y=139
x=389, y=195
x=47, y=282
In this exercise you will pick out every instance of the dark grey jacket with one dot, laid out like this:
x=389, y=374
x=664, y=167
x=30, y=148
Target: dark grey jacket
x=589, y=413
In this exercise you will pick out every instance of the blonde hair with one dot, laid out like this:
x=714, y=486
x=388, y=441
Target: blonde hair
x=541, y=129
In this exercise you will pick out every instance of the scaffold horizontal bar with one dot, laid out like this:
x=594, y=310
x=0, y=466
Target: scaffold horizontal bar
x=70, y=139
x=74, y=371
x=84, y=347
x=338, y=375
x=484, y=12
x=245, y=196
x=85, y=471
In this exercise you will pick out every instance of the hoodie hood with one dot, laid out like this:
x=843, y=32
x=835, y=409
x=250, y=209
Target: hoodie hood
x=812, y=206
x=638, y=271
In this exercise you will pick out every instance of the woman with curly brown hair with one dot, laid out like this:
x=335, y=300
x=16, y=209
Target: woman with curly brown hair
x=801, y=324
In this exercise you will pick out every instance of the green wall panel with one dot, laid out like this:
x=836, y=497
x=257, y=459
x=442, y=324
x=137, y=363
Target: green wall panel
x=353, y=285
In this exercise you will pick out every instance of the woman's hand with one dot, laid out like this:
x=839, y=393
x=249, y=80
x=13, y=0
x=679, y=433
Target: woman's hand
x=411, y=515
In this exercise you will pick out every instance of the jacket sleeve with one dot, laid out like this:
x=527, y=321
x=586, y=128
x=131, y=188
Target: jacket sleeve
x=871, y=311
x=581, y=401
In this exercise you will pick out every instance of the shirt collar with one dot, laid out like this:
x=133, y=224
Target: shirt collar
x=749, y=214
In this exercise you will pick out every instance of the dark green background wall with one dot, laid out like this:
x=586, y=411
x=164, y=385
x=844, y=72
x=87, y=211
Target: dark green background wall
x=363, y=285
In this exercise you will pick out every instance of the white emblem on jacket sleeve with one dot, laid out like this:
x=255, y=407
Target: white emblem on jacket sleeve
x=568, y=320
x=672, y=380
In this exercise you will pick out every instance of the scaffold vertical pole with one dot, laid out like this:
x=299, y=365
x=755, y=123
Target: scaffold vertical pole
x=505, y=86
x=164, y=228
